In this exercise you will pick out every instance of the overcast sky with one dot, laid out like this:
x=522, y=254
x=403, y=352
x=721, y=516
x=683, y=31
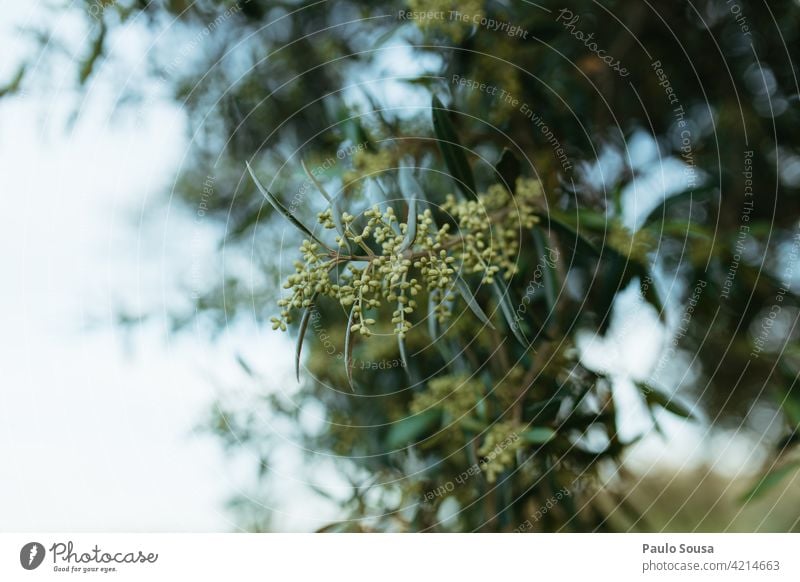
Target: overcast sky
x=96, y=426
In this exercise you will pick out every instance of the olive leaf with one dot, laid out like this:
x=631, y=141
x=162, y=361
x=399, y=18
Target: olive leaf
x=433, y=324
x=507, y=170
x=463, y=289
x=692, y=195
x=569, y=228
x=671, y=404
x=316, y=182
x=411, y=428
x=302, y=334
x=277, y=205
x=769, y=480
x=411, y=229
x=549, y=273
x=334, y=206
x=508, y=312
x=348, y=348
x=538, y=435
x=452, y=150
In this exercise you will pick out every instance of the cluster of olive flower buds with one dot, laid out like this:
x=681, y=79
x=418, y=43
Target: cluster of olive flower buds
x=383, y=259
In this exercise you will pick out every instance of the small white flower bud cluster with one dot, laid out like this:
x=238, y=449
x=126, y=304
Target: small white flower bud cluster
x=485, y=242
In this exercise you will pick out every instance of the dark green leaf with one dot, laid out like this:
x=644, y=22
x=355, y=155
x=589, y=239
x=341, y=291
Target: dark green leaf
x=507, y=169
x=452, y=150
x=672, y=404
x=694, y=195
x=568, y=227
x=548, y=270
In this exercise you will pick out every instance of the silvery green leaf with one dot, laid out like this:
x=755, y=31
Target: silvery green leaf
x=334, y=205
x=508, y=312
x=316, y=182
x=401, y=344
x=409, y=187
x=278, y=206
x=348, y=348
x=411, y=223
x=302, y=334
x=465, y=292
x=433, y=323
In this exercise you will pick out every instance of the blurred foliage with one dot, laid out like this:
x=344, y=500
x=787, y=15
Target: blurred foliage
x=274, y=83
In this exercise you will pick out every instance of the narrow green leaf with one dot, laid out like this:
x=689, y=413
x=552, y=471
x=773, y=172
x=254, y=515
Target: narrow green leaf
x=647, y=285
x=465, y=292
x=401, y=344
x=433, y=323
x=316, y=182
x=277, y=205
x=452, y=150
x=508, y=312
x=411, y=221
x=302, y=334
x=770, y=480
x=409, y=187
x=568, y=227
x=471, y=423
x=549, y=272
x=411, y=428
x=693, y=195
x=348, y=348
x=671, y=404
x=538, y=435
x=507, y=169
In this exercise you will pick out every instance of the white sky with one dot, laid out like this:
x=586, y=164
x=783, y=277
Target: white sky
x=96, y=427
